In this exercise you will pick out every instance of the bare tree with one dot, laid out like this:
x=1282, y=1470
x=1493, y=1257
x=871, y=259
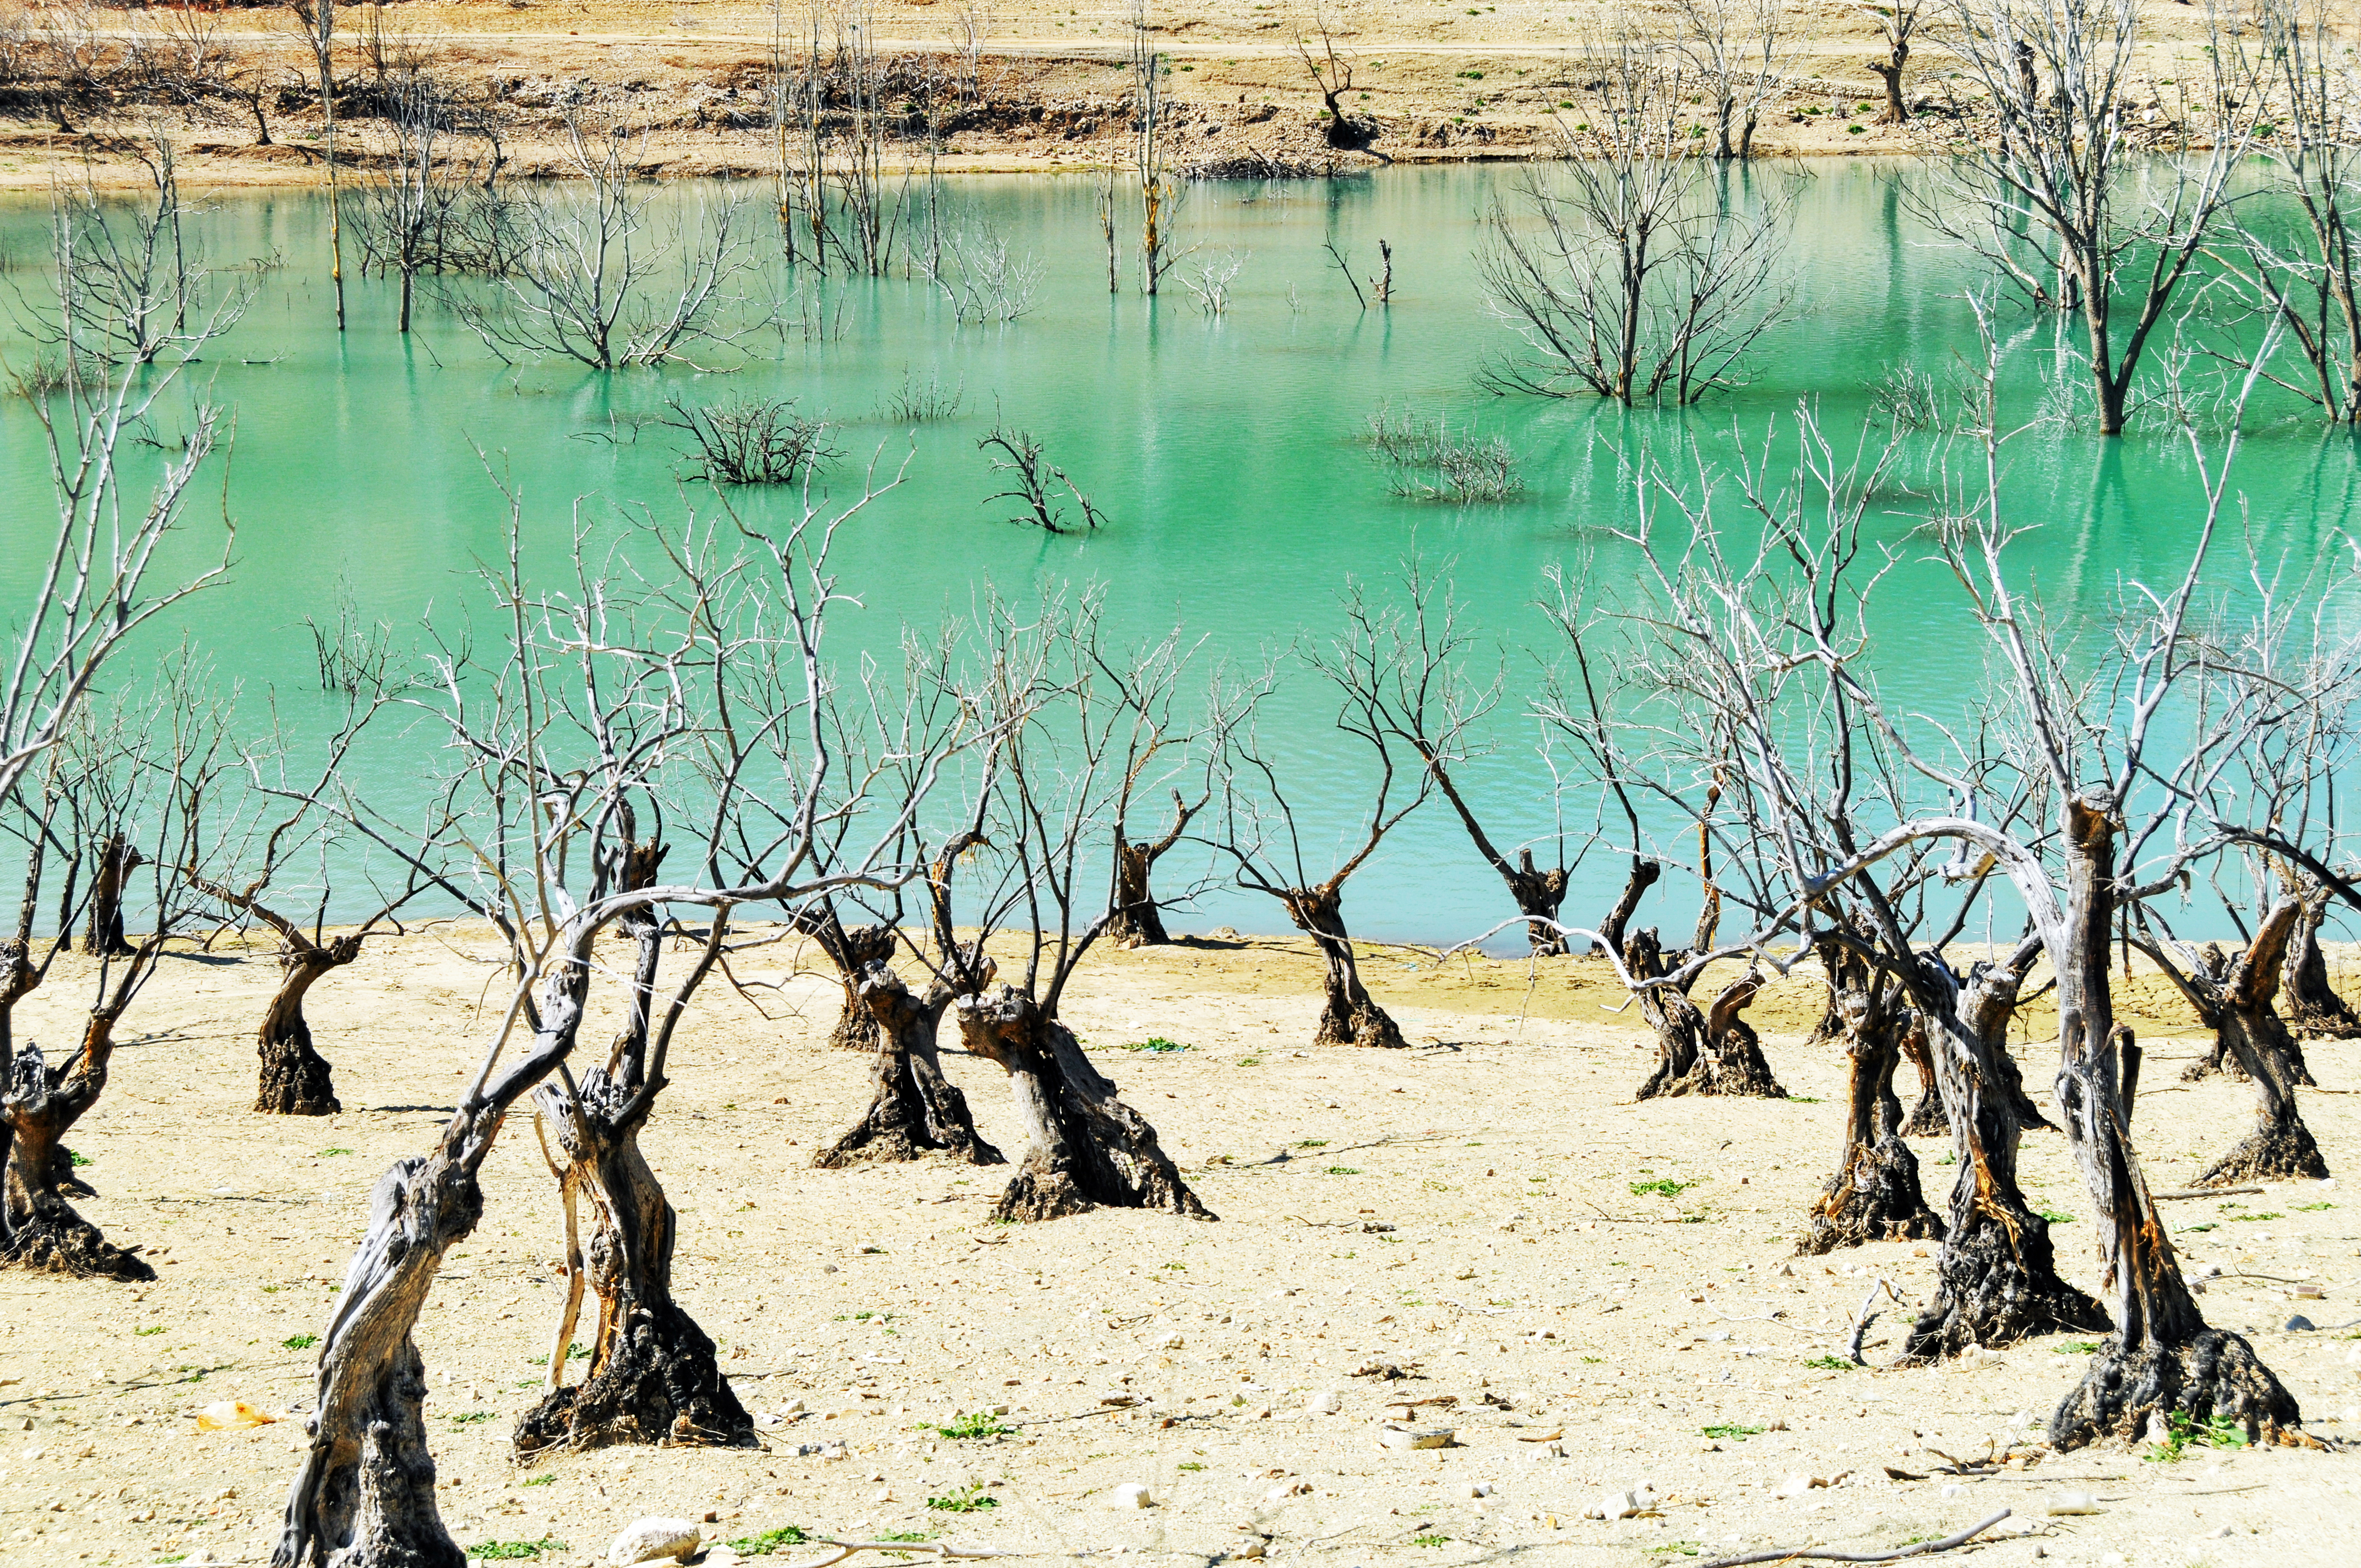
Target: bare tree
x=588, y=281
x=1332, y=78
x=1033, y=482
x=2044, y=197
x=315, y=21
x=1045, y=682
x=1736, y=50
x=1624, y=268
x=1159, y=189
x=1897, y=25
x=411, y=212
x=1586, y=718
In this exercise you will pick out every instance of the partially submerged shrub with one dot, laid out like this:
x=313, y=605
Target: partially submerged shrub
x=752, y=441
x=922, y=402
x=1431, y=464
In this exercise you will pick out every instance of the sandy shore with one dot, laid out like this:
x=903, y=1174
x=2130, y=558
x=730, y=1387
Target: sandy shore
x=1462, y=1209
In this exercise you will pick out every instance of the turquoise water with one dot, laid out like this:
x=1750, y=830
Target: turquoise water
x=1224, y=450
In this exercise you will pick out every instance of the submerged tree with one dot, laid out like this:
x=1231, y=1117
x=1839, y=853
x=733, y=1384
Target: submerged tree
x=1627, y=274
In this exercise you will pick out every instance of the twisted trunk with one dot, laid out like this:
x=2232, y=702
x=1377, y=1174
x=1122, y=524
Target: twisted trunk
x=1087, y=1149
x=914, y=1109
x=1348, y=1015
x=1712, y=1052
x=2314, y=1006
x=39, y=1229
x=2163, y=1359
x=852, y=948
x=653, y=1376
x=1538, y=894
x=295, y=1079
x=116, y=859
x=1137, y=923
x=1874, y=1194
x=1644, y=875
x=2237, y=1001
x=1996, y=1277
x=1928, y=1118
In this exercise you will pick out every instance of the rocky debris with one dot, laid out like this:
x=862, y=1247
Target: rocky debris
x=653, y=1540
x=1131, y=1495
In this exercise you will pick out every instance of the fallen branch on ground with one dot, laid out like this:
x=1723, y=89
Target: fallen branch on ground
x=1793, y=1553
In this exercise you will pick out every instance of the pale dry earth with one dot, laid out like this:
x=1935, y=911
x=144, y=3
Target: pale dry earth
x=1446, y=81
x=1521, y=1276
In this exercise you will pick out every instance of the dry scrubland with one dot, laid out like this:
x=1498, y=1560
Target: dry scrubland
x=1463, y=1210
x=1445, y=79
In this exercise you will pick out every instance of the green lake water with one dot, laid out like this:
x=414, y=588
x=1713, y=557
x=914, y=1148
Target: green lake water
x=1225, y=452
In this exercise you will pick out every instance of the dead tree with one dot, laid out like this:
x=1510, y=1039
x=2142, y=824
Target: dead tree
x=1159, y=190
x=315, y=22
x=1404, y=666
x=1259, y=835
x=1139, y=916
x=1332, y=78
x=1714, y=1051
x=2044, y=197
x=850, y=951
x=1147, y=685
x=2313, y=1008
x=2234, y=998
x=1045, y=683
x=1874, y=1195
x=1736, y=50
x=1897, y=25
x=914, y=1111
x=114, y=860
x=1624, y=274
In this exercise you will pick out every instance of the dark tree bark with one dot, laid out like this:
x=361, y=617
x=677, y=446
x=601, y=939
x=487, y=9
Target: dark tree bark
x=39, y=1106
x=115, y=861
x=1138, y=922
x=295, y=1079
x=2313, y=1008
x=1889, y=71
x=1537, y=893
x=2235, y=997
x=2163, y=1358
x=1874, y=1194
x=1644, y=875
x=1996, y=1277
x=653, y=1378
x=1087, y=1149
x=1928, y=1119
x=1348, y=1015
x=1710, y=1052
x=852, y=948
x=2202, y=974
x=914, y=1109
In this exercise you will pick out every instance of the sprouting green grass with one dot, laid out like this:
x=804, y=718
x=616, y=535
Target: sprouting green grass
x=2313, y=1208
x=1343, y=1170
x=516, y=1550
x=1190, y=1464
x=2077, y=1347
x=548, y=1480
x=1736, y=1430
x=78, y=1158
x=573, y=1352
x=143, y=1333
x=469, y=1417
x=770, y=1540
x=2216, y=1432
x=2055, y=1217
x=1157, y=1045
x=1250, y=1061
x=969, y=1499
x=1829, y=1364
x=1663, y=1187
x=298, y=1341
x=2265, y=1215
x=2206, y=1226
x=975, y=1424
x=1311, y=1142
x=1430, y=1540
x=331, y=1154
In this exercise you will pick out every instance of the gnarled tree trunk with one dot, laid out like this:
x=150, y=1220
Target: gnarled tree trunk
x=39, y=1229
x=1928, y=1119
x=1996, y=1277
x=914, y=1109
x=1348, y=1015
x=653, y=1376
x=2236, y=999
x=2313, y=1008
x=2163, y=1358
x=1874, y=1195
x=295, y=1079
x=1538, y=893
x=852, y=948
x=1137, y=923
x=1712, y=1052
x=1644, y=875
x=1087, y=1149
x=116, y=859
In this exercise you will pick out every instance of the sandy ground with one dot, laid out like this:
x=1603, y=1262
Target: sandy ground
x=1520, y=1276
x=1446, y=81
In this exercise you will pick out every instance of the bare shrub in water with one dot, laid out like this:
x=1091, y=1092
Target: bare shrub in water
x=752, y=441
x=1430, y=464
x=975, y=273
x=922, y=402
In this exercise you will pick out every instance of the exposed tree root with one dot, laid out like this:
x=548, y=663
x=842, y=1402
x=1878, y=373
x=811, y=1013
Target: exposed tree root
x=2213, y=1375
